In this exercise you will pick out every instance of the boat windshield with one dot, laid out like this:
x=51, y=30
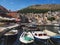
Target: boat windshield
x=40, y=34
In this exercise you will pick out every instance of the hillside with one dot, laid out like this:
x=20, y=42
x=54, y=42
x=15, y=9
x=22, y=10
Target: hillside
x=46, y=6
x=40, y=8
x=3, y=9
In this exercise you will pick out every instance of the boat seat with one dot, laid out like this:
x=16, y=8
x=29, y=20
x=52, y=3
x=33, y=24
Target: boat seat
x=28, y=38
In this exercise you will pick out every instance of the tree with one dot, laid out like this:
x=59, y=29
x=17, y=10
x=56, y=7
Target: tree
x=51, y=18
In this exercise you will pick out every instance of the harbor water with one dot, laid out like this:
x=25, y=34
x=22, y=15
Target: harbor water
x=14, y=40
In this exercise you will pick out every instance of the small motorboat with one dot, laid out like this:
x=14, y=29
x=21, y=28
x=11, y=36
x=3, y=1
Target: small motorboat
x=12, y=32
x=26, y=38
x=40, y=35
x=50, y=33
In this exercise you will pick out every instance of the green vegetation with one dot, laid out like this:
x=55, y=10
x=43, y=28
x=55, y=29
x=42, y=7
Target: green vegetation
x=27, y=10
x=33, y=11
x=51, y=18
x=40, y=8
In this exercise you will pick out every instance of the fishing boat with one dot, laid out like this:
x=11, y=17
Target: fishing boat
x=26, y=38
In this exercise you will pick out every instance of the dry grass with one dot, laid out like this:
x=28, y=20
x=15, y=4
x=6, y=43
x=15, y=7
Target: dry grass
x=46, y=6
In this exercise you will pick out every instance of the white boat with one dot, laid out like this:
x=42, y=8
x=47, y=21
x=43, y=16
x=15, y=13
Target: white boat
x=40, y=35
x=26, y=37
x=56, y=24
x=8, y=27
x=12, y=32
x=59, y=31
x=50, y=33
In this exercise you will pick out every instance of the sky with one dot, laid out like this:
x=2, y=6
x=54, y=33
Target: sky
x=20, y=4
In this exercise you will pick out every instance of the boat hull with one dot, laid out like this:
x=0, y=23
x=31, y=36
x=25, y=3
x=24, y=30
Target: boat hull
x=26, y=42
x=26, y=39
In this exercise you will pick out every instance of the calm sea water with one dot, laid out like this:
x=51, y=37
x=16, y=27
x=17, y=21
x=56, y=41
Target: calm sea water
x=52, y=28
x=15, y=40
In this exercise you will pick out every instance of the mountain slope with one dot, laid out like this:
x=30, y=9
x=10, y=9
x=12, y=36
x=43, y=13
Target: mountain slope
x=3, y=9
x=40, y=8
x=46, y=6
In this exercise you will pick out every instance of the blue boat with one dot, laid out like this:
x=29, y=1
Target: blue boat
x=56, y=39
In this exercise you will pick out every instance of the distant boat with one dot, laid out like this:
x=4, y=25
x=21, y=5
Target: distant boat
x=59, y=31
x=26, y=38
x=5, y=18
x=56, y=24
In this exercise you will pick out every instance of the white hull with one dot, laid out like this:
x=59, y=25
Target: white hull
x=22, y=39
x=40, y=35
x=12, y=32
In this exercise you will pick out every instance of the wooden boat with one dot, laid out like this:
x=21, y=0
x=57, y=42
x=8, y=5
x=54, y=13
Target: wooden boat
x=26, y=38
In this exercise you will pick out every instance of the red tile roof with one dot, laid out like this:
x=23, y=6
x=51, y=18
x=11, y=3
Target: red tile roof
x=13, y=14
x=3, y=9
